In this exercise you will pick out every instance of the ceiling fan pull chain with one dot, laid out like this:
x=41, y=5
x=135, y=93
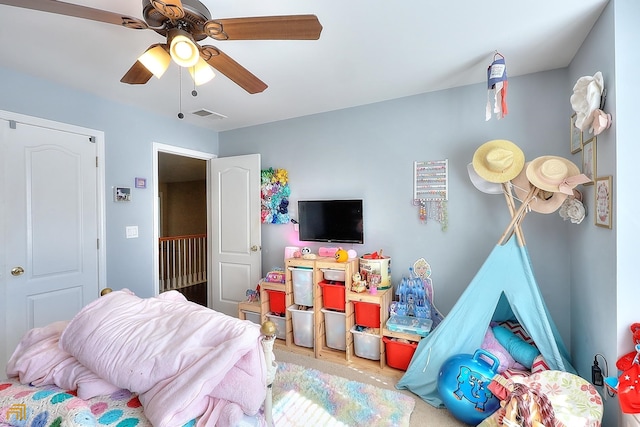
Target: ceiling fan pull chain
x=180, y=115
x=194, y=92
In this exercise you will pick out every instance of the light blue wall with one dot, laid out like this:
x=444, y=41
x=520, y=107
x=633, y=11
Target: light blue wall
x=626, y=155
x=604, y=263
x=593, y=249
x=129, y=137
x=586, y=273
x=368, y=152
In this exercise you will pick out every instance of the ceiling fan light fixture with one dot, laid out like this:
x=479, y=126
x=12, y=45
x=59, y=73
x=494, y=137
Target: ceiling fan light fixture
x=156, y=60
x=183, y=49
x=202, y=72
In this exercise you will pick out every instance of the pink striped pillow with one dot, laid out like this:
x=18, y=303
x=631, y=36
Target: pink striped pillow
x=539, y=364
x=517, y=329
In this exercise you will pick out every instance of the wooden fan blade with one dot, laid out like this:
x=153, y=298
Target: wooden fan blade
x=137, y=74
x=230, y=68
x=78, y=11
x=291, y=27
x=172, y=10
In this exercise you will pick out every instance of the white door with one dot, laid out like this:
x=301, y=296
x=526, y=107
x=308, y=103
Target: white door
x=235, y=231
x=49, y=227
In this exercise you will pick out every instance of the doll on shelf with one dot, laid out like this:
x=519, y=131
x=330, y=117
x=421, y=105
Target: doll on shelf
x=358, y=284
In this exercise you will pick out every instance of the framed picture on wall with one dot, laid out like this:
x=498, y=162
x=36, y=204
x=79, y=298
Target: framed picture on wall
x=603, y=198
x=576, y=136
x=122, y=194
x=589, y=159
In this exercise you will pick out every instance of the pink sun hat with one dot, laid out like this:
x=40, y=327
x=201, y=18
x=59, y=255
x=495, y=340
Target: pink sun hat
x=555, y=174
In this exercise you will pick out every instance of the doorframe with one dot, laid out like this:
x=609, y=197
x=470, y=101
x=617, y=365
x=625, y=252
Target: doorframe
x=185, y=152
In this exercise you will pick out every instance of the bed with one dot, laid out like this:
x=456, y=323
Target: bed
x=125, y=361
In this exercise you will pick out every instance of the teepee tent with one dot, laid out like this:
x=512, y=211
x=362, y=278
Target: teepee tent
x=503, y=289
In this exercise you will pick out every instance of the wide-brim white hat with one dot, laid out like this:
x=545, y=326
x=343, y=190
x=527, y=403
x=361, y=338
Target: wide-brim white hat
x=481, y=183
x=545, y=202
x=498, y=160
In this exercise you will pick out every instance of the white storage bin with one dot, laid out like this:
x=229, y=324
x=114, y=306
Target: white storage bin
x=254, y=317
x=333, y=275
x=281, y=325
x=302, y=326
x=302, y=279
x=366, y=345
x=335, y=329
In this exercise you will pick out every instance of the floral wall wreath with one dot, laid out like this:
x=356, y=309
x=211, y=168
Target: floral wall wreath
x=274, y=192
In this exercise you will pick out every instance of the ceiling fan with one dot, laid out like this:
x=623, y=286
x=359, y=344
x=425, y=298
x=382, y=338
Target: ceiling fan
x=183, y=23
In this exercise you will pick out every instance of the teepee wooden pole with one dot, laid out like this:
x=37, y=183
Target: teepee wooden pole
x=506, y=189
x=515, y=220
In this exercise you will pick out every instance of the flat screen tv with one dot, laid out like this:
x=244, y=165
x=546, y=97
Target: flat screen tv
x=332, y=221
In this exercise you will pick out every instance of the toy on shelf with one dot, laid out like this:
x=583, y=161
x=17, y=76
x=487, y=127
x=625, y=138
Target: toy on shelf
x=304, y=253
x=275, y=276
x=375, y=269
x=358, y=285
x=412, y=298
x=341, y=255
x=422, y=269
x=253, y=295
x=415, y=295
x=373, y=255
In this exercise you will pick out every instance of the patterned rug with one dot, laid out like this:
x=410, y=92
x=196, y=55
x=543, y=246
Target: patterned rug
x=307, y=397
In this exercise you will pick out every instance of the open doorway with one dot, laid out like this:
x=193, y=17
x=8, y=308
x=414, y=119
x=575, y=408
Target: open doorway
x=181, y=223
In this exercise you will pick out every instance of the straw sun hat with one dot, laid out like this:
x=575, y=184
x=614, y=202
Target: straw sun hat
x=498, y=160
x=555, y=174
x=545, y=202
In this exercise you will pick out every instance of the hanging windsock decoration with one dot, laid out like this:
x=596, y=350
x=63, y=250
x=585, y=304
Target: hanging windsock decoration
x=497, y=85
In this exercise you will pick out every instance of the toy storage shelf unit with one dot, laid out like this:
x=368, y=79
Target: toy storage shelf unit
x=326, y=329
x=332, y=279
x=364, y=347
x=300, y=271
x=250, y=311
x=275, y=290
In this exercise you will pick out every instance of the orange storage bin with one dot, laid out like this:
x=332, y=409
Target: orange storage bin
x=276, y=302
x=332, y=295
x=399, y=353
x=367, y=314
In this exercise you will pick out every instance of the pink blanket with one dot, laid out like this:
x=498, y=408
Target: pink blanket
x=184, y=360
x=38, y=360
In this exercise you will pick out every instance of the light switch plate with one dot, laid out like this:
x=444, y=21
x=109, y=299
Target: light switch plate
x=132, y=231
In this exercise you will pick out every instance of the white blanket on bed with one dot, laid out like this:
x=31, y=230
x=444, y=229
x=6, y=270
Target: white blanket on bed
x=184, y=360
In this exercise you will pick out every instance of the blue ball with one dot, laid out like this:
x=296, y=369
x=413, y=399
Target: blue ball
x=463, y=384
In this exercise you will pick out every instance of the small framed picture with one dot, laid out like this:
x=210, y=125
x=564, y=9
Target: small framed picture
x=603, y=197
x=589, y=159
x=122, y=194
x=576, y=136
x=141, y=183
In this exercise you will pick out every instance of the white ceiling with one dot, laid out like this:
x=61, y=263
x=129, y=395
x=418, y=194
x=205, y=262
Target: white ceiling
x=368, y=51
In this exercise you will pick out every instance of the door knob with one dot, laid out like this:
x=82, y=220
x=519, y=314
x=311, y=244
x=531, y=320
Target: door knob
x=17, y=271
x=255, y=248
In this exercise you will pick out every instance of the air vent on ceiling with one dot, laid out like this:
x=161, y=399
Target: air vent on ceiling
x=203, y=112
